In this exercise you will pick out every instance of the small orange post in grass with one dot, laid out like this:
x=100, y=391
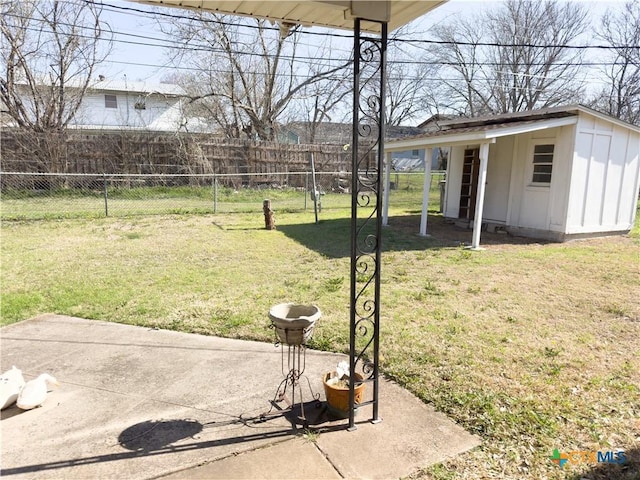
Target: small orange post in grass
x=269, y=222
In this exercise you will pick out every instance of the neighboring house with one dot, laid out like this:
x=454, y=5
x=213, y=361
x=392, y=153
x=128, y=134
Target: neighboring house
x=126, y=105
x=555, y=174
x=408, y=160
x=123, y=105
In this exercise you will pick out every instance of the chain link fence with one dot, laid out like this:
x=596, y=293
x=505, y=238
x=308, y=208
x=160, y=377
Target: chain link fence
x=31, y=196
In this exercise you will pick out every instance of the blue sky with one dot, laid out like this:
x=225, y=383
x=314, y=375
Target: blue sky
x=128, y=59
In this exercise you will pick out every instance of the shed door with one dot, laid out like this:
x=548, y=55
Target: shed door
x=469, y=187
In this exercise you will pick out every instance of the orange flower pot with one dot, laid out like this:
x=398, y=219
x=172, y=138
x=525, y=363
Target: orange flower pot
x=338, y=396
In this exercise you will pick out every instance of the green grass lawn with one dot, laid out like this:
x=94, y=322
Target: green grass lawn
x=70, y=202
x=532, y=346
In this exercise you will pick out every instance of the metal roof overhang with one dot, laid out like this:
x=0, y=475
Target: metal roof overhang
x=324, y=13
x=482, y=135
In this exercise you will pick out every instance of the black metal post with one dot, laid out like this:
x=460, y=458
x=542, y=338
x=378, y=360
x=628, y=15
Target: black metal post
x=354, y=219
x=215, y=194
x=366, y=213
x=316, y=194
x=106, y=197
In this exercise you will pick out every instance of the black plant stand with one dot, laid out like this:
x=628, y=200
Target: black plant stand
x=293, y=325
x=293, y=364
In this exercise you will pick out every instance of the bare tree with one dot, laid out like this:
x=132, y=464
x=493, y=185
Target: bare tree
x=323, y=101
x=461, y=83
x=513, y=58
x=405, y=82
x=49, y=50
x=621, y=97
x=245, y=76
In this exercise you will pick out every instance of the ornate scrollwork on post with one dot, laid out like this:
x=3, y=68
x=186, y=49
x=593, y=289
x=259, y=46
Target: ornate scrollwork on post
x=366, y=210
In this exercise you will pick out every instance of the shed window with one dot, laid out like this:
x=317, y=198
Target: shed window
x=110, y=101
x=542, y=163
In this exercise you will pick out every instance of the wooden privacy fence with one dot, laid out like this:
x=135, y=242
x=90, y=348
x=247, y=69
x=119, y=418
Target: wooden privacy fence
x=163, y=153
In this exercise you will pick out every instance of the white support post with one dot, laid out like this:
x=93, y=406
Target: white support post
x=425, y=191
x=387, y=185
x=482, y=180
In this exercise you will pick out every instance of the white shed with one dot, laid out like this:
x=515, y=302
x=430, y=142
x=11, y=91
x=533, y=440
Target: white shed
x=556, y=174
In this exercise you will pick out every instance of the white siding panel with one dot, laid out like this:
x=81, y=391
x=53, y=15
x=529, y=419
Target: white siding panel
x=587, y=122
x=561, y=178
x=454, y=181
x=534, y=209
x=94, y=113
x=595, y=181
x=517, y=179
x=579, y=175
x=614, y=178
x=498, y=180
x=605, y=177
x=630, y=184
x=536, y=199
x=161, y=113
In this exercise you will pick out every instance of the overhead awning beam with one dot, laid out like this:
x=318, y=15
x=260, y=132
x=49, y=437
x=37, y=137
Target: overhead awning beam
x=374, y=11
x=323, y=13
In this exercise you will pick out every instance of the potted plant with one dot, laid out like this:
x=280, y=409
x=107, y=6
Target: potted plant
x=336, y=390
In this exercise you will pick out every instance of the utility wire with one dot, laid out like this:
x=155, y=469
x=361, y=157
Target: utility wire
x=399, y=40
x=171, y=44
x=531, y=87
x=295, y=75
x=434, y=63
x=200, y=48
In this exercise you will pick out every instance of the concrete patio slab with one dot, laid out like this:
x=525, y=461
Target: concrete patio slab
x=295, y=459
x=410, y=435
x=141, y=403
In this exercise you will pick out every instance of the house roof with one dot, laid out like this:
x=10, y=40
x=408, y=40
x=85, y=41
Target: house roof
x=324, y=13
x=400, y=131
x=542, y=113
x=481, y=129
x=117, y=85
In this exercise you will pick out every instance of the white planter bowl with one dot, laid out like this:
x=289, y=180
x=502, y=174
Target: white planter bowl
x=294, y=323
